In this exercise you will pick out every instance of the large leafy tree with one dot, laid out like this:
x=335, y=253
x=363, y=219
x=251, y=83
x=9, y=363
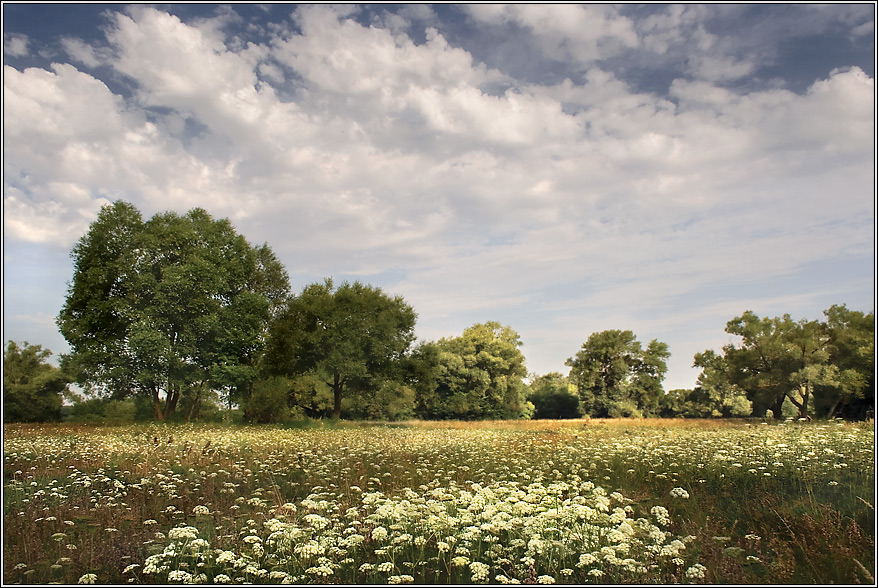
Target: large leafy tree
x=33, y=389
x=819, y=367
x=350, y=340
x=762, y=363
x=480, y=375
x=616, y=376
x=165, y=308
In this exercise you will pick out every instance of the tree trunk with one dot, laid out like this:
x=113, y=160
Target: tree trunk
x=196, y=402
x=337, y=388
x=805, y=391
x=777, y=408
x=832, y=410
x=157, y=406
x=171, y=404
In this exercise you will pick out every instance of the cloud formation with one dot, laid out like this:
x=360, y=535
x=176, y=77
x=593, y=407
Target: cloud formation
x=378, y=145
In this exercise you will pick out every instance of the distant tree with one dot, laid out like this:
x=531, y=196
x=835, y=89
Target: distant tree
x=646, y=384
x=850, y=342
x=351, y=339
x=268, y=401
x=239, y=378
x=422, y=375
x=673, y=403
x=33, y=389
x=552, y=398
x=175, y=306
x=815, y=367
x=392, y=401
x=716, y=395
x=480, y=375
x=615, y=376
x=762, y=363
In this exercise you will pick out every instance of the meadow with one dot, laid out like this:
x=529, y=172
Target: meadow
x=548, y=502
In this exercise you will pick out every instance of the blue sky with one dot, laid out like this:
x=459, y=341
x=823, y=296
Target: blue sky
x=562, y=169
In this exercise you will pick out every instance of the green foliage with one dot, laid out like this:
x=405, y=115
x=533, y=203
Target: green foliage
x=818, y=368
x=705, y=402
x=170, y=307
x=269, y=401
x=851, y=349
x=109, y=411
x=479, y=376
x=552, y=398
x=615, y=376
x=392, y=401
x=32, y=388
x=351, y=339
x=178, y=312
x=421, y=374
x=715, y=395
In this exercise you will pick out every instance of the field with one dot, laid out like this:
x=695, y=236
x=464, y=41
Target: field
x=566, y=502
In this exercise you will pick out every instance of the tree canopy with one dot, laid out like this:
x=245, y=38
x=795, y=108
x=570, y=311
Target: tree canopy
x=819, y=368
x=173, y=306
x=348, y=339
x=180, y=310
x=480, y=375
x=615, y=376
x=33, y=389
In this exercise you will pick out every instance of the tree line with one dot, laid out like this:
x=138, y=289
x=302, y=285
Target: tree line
x=179, y=317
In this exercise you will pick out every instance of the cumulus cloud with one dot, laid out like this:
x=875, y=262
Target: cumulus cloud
x=15, y=45
x=583, y=33
x=81, y=52
x=354, y=150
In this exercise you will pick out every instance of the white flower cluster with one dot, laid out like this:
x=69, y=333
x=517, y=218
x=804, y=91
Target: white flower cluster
x=661, y=515
x=679, y=493
x=479, y=571
x=183, y=533
x=696, y=572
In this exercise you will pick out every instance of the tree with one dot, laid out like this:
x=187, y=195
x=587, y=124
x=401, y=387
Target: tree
x=615, y=376
x=350, y=339
x=851, y=347
x=646, y=386
x=715, y=395
x=239, y=378
x=552, y=398
x=480, y=375
x=166, y=308
x=762, y=363
x=816, y=367
x=422, y=375
x=33, y=389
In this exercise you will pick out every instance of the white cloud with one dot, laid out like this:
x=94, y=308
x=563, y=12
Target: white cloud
x=81, y=52
x=352, y=150
x=583, y=33
x=15, y=44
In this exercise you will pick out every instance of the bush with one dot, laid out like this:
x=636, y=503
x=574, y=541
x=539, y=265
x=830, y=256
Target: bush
x=552, y=399
x=625, y=409
x=269, y=401
x=554, y=404
x=110, y=411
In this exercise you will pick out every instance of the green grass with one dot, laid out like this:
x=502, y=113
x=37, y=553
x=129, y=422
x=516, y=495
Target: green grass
x=527, y=501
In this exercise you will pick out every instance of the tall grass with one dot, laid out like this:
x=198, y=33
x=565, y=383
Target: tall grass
x=614, y=501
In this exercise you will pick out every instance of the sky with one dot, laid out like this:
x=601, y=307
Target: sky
x=562, y=169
